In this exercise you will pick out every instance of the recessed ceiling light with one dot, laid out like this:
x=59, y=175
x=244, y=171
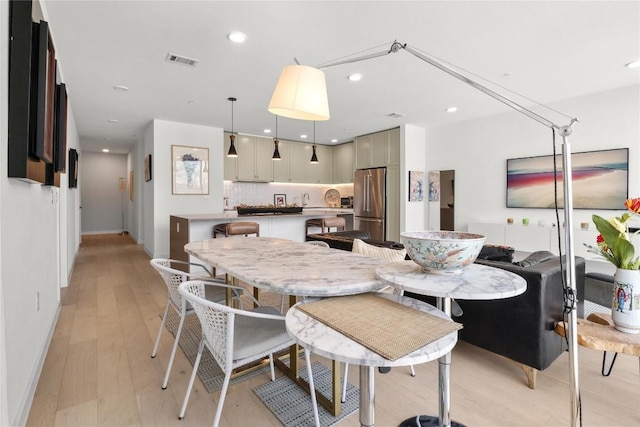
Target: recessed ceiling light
x=355, y=77
x=105, y=150
x=334, y=140
x=451, y=110
x=121, y=88
x=634, y=64
x=113, y=121
x=237, y=37
x=267, y=131
x=303, y=136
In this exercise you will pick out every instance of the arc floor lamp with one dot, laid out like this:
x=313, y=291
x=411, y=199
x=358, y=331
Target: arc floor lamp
x=301, y=94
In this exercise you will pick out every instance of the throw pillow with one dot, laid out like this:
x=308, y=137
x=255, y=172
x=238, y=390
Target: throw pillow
x=535, y=258
x=496, y=253
x=374, y=251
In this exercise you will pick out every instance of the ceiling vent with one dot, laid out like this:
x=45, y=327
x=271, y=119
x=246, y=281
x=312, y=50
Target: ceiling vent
x=395, y=115
x=177, y=59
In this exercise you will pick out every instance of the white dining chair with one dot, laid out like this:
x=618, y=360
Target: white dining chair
x=172, y=278
x=237, y=337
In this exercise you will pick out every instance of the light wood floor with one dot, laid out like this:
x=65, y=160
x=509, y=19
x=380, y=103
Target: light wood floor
x=98, y=370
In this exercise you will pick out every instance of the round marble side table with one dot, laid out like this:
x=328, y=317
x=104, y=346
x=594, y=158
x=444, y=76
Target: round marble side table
x=325, y=341
x=476, y=282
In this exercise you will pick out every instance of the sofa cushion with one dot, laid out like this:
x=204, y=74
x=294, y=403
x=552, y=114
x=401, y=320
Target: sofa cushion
x=535, y=258
x=386, y=254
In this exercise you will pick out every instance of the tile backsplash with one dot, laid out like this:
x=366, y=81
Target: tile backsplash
x=260, y=193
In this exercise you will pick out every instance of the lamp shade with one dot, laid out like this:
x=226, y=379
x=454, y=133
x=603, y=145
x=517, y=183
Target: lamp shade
x=301, y=94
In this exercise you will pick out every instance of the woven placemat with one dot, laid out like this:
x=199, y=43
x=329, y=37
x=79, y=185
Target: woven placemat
x=386, y=327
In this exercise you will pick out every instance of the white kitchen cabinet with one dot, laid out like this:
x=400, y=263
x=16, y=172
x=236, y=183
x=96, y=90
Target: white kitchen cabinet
x=254, y=158
x=343, y=163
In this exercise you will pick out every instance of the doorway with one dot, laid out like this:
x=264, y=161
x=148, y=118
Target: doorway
x=447, y=199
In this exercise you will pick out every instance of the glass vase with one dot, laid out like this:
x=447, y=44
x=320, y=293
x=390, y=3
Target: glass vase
x=625, y=309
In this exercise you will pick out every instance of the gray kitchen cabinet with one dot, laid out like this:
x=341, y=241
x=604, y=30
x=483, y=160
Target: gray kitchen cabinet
x=254, y=158
x=230, y=163
x=378, y=149
x=343, y=163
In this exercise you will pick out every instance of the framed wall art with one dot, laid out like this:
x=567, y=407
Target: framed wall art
x=434, y=186
x=73, y=168
x=416, y=186
x=280, y=200
x=189, y=170
x=147, y=168
x=600, y=180
x=131, y=176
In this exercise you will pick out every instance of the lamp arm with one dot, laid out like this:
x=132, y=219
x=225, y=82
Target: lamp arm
x=352, y=60
x=483, y=88
x=396, y=46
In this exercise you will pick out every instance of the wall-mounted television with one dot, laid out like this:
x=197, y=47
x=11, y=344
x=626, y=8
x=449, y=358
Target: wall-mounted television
x=600, y=180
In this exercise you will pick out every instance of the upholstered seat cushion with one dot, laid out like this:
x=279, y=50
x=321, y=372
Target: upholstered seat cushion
x=255, y=335
x=386, y=254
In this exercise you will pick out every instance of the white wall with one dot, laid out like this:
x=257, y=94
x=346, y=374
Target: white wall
x=477, y=150
x=102, y=201
x=165, y=134
x=33, y=226
x=413, y=156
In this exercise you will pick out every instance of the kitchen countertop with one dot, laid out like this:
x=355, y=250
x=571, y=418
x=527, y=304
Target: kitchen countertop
x=231, y=214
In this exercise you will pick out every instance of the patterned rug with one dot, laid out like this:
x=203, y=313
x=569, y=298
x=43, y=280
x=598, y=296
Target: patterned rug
x=209, y=372
x=292, y=405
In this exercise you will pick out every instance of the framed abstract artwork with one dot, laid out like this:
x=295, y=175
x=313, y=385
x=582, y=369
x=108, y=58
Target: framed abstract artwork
x=600, y=180
x=189, y=170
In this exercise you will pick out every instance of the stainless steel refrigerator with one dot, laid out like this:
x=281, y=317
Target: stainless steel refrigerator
x=369, y=202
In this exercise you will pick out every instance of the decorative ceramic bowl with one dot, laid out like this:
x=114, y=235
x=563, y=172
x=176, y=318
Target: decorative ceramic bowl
x=442, y=252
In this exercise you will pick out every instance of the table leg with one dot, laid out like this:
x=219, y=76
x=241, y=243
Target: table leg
x=367, y=396
x=444, y=365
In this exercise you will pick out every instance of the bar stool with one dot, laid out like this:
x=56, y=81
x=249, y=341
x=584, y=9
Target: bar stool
x=338, y=222
x=237, y=228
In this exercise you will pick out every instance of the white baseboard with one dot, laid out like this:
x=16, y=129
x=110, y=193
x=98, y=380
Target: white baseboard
x=27, y=400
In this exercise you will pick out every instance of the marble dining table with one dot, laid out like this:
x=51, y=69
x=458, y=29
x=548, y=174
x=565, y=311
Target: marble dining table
x=296, y=269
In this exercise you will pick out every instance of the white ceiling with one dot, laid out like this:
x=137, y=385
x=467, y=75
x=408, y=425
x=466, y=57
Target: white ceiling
x=550, y=50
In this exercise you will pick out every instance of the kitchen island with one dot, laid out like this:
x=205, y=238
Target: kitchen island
x=194, y=227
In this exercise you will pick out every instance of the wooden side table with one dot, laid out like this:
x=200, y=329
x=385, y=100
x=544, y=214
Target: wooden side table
x=598, y=333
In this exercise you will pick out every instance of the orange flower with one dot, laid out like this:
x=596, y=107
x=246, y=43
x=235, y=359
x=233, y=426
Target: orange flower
x=633, y=205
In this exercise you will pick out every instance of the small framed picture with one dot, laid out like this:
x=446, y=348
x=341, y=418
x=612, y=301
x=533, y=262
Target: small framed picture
x=280, y=200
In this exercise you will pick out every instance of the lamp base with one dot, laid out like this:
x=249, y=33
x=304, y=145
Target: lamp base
x=426, y=421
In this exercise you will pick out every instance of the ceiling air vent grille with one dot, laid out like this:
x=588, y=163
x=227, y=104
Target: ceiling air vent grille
x=177, y=59
x=395, y=115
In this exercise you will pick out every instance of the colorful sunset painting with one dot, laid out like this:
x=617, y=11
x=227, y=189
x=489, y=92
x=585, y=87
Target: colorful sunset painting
x=600, y=180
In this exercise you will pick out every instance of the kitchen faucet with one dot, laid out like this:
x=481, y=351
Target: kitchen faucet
x=305, y=197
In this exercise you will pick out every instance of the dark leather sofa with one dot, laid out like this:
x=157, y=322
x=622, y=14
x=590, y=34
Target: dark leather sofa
x=521, y=328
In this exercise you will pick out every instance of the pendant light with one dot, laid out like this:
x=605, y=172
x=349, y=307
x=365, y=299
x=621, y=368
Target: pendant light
x=232, y=148
x=314, y=157
x=276, y=152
